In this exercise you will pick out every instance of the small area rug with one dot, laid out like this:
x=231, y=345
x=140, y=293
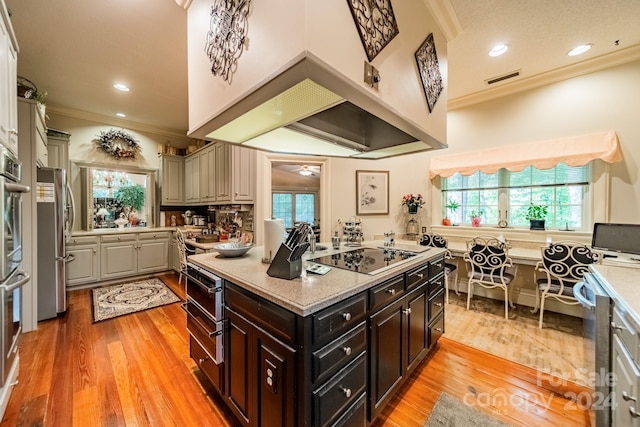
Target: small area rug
x=125, y=298
x=451, y=412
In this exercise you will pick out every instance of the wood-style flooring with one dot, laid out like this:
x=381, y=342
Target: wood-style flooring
x=135, y=370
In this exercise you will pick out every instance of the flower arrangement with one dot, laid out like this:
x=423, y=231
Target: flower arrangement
x=413, y=201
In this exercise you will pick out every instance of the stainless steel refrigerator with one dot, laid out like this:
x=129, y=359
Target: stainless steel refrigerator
x=53, y=228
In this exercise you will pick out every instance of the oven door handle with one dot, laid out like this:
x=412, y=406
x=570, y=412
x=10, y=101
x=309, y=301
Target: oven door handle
x=577, y=294
x=16, y=188
x=209, y=290
x=25, y=279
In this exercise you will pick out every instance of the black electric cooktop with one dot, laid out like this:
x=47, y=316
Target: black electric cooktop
x=365, y=260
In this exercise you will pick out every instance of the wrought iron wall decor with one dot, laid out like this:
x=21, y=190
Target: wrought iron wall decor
x=227, y=35
x=430, y=76
x=375, y=22
x=118, y=144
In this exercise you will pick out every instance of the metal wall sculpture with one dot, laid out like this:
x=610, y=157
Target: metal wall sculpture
x=227, y=35
x=375, y=22
x=429, y=71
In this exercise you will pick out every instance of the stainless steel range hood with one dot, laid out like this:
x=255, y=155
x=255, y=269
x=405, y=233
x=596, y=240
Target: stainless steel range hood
x=310, y=108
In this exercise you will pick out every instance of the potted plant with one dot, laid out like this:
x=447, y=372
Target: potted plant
x=452, y=207
x=130, y=197
x=476, y=217
x=413, y=202
x=536, y=215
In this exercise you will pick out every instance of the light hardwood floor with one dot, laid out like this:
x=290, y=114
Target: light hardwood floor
x=135, y=370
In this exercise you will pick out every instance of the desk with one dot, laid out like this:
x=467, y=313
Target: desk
x=518, y=255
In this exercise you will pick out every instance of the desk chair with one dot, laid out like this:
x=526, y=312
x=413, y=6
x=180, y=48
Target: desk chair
x=450, y=268
x=563, y=265
x=489, y=266
x=183, y=251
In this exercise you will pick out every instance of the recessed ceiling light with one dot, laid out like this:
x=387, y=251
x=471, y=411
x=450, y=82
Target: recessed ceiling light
x=498, y=50
x=121, y=115
x=579, y=49
x=121, y=87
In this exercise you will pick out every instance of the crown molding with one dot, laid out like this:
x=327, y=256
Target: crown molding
x=602, y=62
x=444, y=14
x=114, y=121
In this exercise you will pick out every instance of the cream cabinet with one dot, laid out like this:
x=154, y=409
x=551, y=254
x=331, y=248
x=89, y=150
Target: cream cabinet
x=153, y=252
x=192, y=179
x=58, y=149
x=172, y=180
x=243, y=174
x=207, y=159
x=8, y=84
x=118, y=256
x=223, y=172
x=83, y=261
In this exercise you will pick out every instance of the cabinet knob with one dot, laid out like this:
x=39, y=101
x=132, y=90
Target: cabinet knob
x=625, y=396
x=201, y=361
x=118, y=238
x=438, y=304
x=391, y=291
x=420, y=275
x=439, y=330
x=94, y=251
x=407, y=311
x=347, y=350
x=12, y=131
x=633, y=412
x=346, y=391
x=616, y=327
x=346, y=316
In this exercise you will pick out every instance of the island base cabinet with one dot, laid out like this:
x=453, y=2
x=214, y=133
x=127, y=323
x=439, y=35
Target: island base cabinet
x=261, y=373
x=626, y=388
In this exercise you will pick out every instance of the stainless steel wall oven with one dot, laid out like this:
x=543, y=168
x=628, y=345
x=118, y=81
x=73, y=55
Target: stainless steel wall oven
x=12, y=277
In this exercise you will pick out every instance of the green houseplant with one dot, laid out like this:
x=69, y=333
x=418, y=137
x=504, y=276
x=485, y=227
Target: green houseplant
x=476, y=217
x=536, y=215
x=452, y=207
x=130, y=197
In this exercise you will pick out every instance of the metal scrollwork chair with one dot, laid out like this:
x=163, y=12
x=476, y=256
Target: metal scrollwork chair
x=563, y=265
x=451, y=267
x=489, y=266
x=183, y=251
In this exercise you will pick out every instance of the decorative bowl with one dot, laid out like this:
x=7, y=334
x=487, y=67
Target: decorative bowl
x=232, y=249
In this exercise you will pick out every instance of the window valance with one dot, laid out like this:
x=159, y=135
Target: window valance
x=573, y=151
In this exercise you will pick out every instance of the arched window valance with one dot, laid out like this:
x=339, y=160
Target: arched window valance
x=573, y=151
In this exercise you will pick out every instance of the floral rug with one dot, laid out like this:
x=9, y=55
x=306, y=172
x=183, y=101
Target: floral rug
x=125, y=298
x=449, y=411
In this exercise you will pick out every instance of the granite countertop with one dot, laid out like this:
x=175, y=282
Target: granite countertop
x=308, y=294
x=621, y=283
x=103, y=231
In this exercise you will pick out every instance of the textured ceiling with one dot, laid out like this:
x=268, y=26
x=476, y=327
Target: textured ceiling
x=76, y=50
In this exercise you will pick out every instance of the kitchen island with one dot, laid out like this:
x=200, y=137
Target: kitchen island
x=317, y=350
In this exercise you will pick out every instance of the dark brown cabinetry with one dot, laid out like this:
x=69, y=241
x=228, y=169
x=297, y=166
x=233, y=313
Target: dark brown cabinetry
x=336, y=367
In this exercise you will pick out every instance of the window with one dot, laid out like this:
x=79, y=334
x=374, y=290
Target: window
x=294, y=207
x=507, y=195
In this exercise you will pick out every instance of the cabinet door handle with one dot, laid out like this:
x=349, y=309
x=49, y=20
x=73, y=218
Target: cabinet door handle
x=346, y=316
x=626, y=397
x=391, y=291
x=633, y=412
x=346, y=391
x=616, y=327
x=12, y=131
x=347, y=350
x=407, y=311
x=439, y=330
x=201, y=361
x=420, y=275
x=438, y=304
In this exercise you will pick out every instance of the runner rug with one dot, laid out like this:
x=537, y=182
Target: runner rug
x=449, y=412
x=125, y=298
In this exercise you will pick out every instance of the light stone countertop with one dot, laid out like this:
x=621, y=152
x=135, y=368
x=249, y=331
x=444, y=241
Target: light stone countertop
x=303, y=295
x=623, y=285
x=103, y=231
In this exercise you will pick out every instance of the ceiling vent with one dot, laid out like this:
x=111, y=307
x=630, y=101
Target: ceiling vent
x=503, y=77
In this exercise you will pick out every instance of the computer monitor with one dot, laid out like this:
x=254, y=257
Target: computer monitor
x=620, y=241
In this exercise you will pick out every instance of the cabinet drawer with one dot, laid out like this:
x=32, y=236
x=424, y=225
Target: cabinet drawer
x=126, y=237
x=338, y=352
x=626, y=329
x=207, y=332
x=340, y=392
x=356, y=415
x=382, y=294
x=209, y=298
x=436, y=285
x=436, y=305
x=154, y=235
x=82, y=240
x=436, y=329
x=213, y=371
x=276, y=320
x=346, y=314
x=436, y=266
x=417, y=276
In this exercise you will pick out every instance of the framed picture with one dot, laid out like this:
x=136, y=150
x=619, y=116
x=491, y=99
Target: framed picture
x=376, y=24
x=372, y=192
x=429, y=69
